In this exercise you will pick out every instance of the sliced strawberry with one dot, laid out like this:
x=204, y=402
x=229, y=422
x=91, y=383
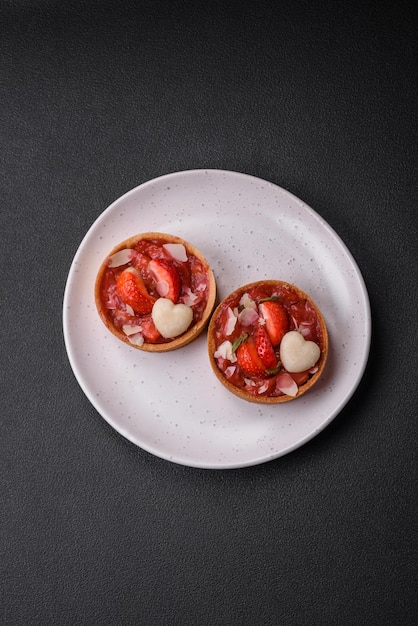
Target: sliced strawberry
x=265, y=348
x=132, y=291
x=300, y=378
x=167, y=278
x=149, y=330
x=276, y=318
x=248, y=360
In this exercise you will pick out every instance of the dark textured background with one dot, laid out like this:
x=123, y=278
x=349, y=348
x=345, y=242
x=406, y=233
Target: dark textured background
x=98, y=97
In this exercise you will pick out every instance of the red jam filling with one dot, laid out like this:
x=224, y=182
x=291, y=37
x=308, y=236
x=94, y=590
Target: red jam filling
x=242, y=365
x=194, y=289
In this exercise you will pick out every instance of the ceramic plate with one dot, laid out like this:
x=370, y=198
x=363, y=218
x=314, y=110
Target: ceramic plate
x=171, y=404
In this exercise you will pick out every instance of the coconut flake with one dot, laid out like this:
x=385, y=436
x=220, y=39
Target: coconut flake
x=129, y=309
x=231, y=322
x=120, y=258
x=286, y=384
x=230, y=371
x=247, y=302
x=136, y=340
x=263, y=388
x=190, y=297
x=224, y=351
x=304, y=328
x=110, y=304
x=130, y=329
x=247, y=316
x=177, y=251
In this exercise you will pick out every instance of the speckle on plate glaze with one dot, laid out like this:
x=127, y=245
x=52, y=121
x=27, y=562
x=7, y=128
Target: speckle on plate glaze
x=248, y=229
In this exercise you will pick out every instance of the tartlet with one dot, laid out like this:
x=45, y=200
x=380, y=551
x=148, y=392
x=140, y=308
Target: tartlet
x=268, y=342
x=155, y=292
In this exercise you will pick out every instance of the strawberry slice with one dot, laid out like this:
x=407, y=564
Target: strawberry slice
x=132, y=291
x=248, y=360
x=255, y=355
x=300, y=378
x=167, y=278
x=149, y=330
x=265, y=348
x=276, y=318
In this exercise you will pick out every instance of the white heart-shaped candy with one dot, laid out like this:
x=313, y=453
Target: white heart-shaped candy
x=297, y=354
x=171, y=320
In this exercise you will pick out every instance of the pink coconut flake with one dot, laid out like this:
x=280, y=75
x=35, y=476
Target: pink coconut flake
x=137, y=339
x=247, y=302
x=121, y=258
x=263, y=388
x=130, y=329
x=177, y=251
x=304, y=328
x=224, y=351
x=286, y=384
x=230, y=371
x=247, y=316
x=230, y=323
x=190, y=297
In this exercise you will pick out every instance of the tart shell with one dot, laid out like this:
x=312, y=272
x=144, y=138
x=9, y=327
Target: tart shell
x=242, y=393
x=194, y=331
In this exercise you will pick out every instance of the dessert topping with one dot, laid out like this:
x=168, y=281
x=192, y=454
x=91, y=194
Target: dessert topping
x=286, y=384
x=247, y=316
x=177, y=251
x=231, y=322
x=130, y=329
x=132, y=291
x=297, y=354
x=265, y=348
x=249, y=360
x=276, y=318
x=171, y=319
x=167, y=278
x=120, y=258
x=226, y=351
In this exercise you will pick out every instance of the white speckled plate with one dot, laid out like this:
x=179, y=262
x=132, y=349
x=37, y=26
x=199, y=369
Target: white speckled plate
x=171, y=404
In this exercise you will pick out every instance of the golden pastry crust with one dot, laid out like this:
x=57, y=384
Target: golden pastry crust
x=213, y=343
x=194, y=330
